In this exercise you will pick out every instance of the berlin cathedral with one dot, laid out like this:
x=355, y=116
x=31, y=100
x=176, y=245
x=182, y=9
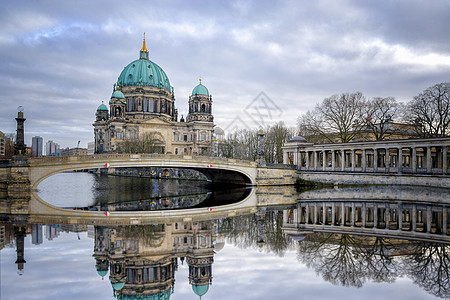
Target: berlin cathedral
x=142, y=105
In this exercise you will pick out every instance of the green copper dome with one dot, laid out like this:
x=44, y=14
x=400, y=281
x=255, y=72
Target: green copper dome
x=200, y=290
x=144, y=72
x=200, y=90
x=118, y=94
x=102, y=107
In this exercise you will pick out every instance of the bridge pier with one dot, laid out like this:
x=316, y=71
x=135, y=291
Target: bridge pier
x=15, y=186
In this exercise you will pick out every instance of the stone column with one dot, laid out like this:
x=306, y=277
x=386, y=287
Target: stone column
x=333, y=216
x=324, y=159
x=386, y=158
x=342, y=214
x=375, y=216
x=375, y=159
x=333, y=160
x=364, y=160
x=353, y=215
x=300, y=213
x=307, y=214
x=315, y=160
x=386, y=217
x=324, y=214
x=428, y=159
x=444, y=220
x=342, y=159
x=400, y=160
x=414, y=219
x=428, y=219
x=414, y=159
x=315, y=213
x=363, y=214
x=444, y=159
x=353, y=159
x=400, y=216
x=307, y=160
x=286, y=157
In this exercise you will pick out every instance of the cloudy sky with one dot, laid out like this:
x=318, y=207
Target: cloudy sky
x=60, y=59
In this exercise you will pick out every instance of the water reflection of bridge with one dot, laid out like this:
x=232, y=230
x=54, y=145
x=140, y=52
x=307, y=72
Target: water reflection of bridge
x=422, y=221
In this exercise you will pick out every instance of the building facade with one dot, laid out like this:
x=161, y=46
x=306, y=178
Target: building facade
x=37, y=144
x=52, y=148
x=142, y=110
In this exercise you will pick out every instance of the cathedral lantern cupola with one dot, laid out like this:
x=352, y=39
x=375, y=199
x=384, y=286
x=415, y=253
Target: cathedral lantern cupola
x=102, y=113
x=200, y=105
x=117, y=104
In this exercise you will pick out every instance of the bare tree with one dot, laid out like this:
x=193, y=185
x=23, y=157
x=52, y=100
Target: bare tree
x=276, y=136
x=429, y=112
x=379, y=114
x=338, y=116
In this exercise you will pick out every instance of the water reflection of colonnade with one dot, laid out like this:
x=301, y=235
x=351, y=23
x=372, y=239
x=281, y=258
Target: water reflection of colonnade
x=421, y=156
x=394, y=219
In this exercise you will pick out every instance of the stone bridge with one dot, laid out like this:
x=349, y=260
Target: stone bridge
x=217, y=170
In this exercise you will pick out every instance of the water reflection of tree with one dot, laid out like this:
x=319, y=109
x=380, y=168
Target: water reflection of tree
x=346, y=260
x=380, y=263
x=261, y=231
x=429, y=268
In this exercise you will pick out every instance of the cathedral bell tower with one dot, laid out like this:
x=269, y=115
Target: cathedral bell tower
x=200, y=105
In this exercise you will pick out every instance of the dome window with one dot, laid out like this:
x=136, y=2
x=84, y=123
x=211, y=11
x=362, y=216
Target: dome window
x=130, y=77
x=151, y=77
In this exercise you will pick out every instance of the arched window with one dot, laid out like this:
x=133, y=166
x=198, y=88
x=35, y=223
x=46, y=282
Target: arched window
x=203, y=108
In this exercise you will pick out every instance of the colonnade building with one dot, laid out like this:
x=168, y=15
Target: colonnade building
x=415, y=156
x=142, y=107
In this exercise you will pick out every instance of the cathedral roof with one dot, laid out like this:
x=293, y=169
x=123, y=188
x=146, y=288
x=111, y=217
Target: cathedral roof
x=144, y=72
x=200, y=89
x=102, y=107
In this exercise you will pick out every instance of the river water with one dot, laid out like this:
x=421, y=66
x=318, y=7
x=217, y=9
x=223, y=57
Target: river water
x=242, y=257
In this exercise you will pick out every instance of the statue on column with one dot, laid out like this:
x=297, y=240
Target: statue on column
x=260, y=150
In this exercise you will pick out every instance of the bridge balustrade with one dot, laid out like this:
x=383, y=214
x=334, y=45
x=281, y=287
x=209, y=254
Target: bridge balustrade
x=412, y=156
x=422, y=220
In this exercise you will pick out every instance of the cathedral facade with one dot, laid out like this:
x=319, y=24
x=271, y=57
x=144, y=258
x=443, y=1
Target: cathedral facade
x=142, y=110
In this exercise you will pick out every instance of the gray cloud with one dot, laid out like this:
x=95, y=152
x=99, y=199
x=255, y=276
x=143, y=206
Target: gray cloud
x=60, y=59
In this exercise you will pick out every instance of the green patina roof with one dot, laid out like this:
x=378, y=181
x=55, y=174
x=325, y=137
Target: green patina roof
x=102, y=107
x=200, y=90
x=102, y=273
x=118, y=94
x=200, y=290
x=144, y=72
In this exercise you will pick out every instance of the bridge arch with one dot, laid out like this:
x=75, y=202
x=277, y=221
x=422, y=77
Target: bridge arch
x=216, y=170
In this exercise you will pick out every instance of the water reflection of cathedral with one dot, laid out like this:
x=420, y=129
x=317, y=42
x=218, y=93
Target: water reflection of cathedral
x=142, y=260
